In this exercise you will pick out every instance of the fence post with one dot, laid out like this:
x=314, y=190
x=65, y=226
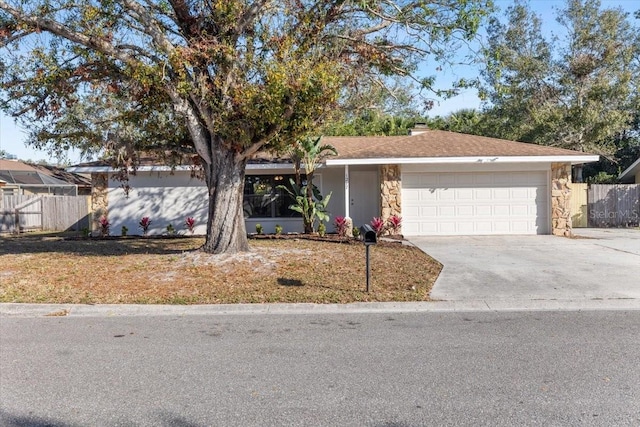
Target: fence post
x=16, y=224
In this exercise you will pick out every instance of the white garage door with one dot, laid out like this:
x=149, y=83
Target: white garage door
x=475, y=203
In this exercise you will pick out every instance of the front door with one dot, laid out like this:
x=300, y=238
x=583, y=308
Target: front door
x=364, y=196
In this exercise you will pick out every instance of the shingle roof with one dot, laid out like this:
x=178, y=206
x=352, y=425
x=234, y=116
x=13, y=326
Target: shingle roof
x=63, y=175
x=428, y=144
x=14, y=165
x=17, y=172
x=437, y=143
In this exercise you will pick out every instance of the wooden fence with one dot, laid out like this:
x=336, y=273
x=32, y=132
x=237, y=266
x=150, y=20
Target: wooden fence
x=615, y=205
x=47, y=213
x=579, y=212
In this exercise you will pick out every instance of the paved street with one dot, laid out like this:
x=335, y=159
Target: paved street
x=387, y=369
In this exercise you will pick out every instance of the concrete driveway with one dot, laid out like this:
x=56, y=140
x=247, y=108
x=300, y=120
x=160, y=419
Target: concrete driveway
x=601, y=264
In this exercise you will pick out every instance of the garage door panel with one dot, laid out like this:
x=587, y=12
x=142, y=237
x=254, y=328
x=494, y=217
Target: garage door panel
x=446, y=194
x=466, y=228
x=411, y=211
x=501, y=210
x=464, y=194
x=430, y=181
x=428, y=195
x=475, y=203
x=425, y=228
x=484, y=227
x=483, y=179
x=429, y=211
x=520, y=210
x=466, y=180
x=501, y=194
x=520, y=193
x=502, y=227
x=464, y=210
x=448, y=227
x=483, y=210
x=447, y=211
x=483, y=194
x=520, y=227
x=410, y=194
x=447, y=180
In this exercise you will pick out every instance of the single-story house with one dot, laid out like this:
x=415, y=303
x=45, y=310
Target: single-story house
x=440, y=183
x=631, y=175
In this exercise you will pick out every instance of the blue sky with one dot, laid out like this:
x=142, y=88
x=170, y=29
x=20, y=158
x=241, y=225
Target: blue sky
x=12, y=137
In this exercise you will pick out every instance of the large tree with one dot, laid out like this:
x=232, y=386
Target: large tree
x=238, y=76
x=575, y=90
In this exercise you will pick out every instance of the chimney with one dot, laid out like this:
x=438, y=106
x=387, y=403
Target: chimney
x=418, y=128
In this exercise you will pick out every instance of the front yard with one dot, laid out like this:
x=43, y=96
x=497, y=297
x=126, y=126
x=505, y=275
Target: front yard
x=50, y=269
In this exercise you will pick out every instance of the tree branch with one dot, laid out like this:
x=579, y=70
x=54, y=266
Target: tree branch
x=54, y=27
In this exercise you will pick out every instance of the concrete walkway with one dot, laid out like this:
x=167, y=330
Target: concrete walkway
x=599, y=264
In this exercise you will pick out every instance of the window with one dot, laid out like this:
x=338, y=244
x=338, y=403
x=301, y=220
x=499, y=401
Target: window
x=263, y=198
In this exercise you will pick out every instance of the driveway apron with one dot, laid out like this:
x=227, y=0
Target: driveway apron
x=595, y=265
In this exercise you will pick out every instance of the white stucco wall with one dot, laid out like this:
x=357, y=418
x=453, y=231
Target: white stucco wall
x=164, y=198
x=170, y=198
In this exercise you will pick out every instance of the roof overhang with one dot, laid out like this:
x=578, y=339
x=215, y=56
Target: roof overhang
x=578, y=159
x=108, y=169
x=630, y=172
x=163, y=168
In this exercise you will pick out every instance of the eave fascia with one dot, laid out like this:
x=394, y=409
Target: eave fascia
x=630, y=171
x=162, y=168
x=578, y=159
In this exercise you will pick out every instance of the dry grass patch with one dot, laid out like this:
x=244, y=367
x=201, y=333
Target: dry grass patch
x=171, y=271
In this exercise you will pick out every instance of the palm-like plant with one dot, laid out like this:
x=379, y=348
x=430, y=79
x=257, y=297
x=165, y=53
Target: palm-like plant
x=310, y=208
x=310, y=152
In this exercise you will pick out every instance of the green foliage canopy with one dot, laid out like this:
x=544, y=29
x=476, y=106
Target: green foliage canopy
x=580, y=92
x=220, y=80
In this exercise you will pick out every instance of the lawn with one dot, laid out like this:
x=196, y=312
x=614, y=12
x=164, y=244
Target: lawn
x=52, y=269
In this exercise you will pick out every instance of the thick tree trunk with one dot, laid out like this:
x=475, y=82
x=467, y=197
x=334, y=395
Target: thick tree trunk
x=226, y=231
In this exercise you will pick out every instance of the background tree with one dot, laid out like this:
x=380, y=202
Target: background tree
x=576, y=92
x=390, y=109
x=239, y=76
x=518, y=74
x=465, y=120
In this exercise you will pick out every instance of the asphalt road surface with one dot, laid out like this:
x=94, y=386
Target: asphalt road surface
x=387, y=370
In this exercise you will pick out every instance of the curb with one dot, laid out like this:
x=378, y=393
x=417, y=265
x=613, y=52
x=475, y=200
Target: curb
x=124, y=310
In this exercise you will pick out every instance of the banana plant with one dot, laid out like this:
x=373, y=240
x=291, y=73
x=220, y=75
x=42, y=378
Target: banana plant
x=311, y=209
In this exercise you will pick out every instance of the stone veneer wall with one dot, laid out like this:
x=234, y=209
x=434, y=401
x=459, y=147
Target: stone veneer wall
x=99, y=197
x=561, y=199
x=390, y=191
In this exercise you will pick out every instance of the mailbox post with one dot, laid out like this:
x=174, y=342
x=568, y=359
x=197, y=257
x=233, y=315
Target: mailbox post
x=369, y=237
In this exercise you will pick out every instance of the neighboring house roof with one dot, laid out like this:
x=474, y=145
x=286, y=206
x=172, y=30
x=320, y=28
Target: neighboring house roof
x=20, y=173
x=435, y=146
x=429, y=146
x=63, y=175
x=630, y=173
